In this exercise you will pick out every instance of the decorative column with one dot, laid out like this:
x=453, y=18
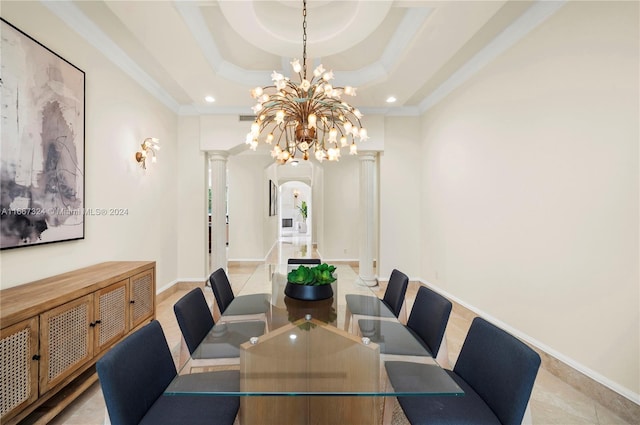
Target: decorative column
x=367, y=210
x=218, y=166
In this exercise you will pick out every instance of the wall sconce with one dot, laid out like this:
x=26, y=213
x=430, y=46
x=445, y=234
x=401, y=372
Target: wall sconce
x=149, y=147
x=296, y=193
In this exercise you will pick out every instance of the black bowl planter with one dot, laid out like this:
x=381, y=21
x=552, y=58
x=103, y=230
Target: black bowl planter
x=307, y=292
x=322, y=310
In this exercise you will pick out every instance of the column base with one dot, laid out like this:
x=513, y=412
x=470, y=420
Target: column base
x=367, y=281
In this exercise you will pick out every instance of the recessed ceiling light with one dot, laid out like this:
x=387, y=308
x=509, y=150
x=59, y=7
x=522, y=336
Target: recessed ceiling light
x=210, y=99
x=391, y=99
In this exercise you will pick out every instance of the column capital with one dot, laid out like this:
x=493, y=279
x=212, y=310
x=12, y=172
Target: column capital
x=367, y=155
x=218, y=155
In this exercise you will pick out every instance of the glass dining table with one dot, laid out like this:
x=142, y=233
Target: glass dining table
x=307, y=368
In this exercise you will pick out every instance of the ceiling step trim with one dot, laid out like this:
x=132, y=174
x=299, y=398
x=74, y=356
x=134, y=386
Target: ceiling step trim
x=539, y=12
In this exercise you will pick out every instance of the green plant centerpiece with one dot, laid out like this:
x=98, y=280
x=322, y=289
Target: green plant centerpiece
x=310, y=283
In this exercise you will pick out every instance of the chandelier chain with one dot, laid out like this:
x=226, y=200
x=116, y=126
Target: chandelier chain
x=304, y=39
x=305, y=117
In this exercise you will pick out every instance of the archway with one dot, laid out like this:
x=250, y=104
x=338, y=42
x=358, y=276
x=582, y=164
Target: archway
x=296, y=211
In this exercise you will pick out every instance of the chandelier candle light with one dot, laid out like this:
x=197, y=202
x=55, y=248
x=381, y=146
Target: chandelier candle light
x=307, y=116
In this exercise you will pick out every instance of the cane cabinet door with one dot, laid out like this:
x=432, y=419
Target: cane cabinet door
x=111, y=315
x=141, y=297
x=66, y=340
x=18, y=366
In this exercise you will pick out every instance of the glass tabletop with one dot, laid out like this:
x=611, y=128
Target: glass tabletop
x=392, y=337
x=311, y=357
x=224, y=339
x=306, y=351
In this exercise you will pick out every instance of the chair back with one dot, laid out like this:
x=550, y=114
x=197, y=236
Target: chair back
x=194, y=318
x=500, y=368
x=304, y=261
x=429, y=317
x=221, y=289
x=396, y=290
x=135, y=373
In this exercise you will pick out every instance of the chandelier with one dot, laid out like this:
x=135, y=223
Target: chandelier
x=309, y=116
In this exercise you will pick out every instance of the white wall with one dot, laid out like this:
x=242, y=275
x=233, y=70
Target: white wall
x=119, y=116
x=269, y=223
x=530, y=190
x=317, y=193
x=339, y=205
x=251, y=230
x=193, y=230
x=375, y=129
x=400, y=198
x=222, y=132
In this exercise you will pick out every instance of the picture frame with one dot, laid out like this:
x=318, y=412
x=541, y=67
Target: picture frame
x=42, y=145
x=273, y=198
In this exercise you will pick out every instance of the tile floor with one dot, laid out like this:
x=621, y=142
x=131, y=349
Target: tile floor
x=552, y=401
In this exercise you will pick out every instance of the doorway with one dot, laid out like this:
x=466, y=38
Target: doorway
x=296, y=212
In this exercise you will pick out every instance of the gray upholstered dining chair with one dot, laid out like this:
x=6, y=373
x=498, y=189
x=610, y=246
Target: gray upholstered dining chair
x=424, y=333
x=237, y=309
x=496, y=371
x=135, y=373
x=202, y=343
x=391, y=306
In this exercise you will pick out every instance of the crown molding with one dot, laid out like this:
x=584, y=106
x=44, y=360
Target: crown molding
x=539, y=12
x=75, y=19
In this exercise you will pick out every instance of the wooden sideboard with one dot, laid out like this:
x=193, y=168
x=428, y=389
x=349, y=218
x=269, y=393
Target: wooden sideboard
x=54, y=330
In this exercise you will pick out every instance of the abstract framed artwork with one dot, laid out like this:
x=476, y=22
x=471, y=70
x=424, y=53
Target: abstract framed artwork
x=42, y=145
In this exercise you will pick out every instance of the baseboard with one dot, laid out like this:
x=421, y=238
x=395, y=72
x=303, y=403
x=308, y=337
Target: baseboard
x=350, y=261
x=246, y=260
x=232, y=263
x=180, y=284
x=619, y=400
